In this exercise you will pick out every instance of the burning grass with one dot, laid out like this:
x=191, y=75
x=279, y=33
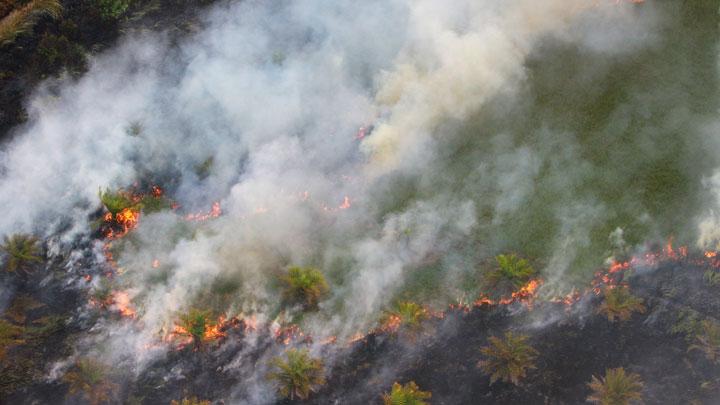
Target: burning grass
x=616, y=388
x=298, y=374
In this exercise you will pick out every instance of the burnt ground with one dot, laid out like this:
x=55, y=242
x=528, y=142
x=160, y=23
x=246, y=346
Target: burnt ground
x=573, y=345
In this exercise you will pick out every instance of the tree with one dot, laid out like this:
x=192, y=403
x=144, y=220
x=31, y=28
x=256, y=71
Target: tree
x=304, y=285
x=708, y=340
x=616, y=388
x=22, y=251
x=298, y=375
x=508, y=359
x=194, y=324
x=511, y=273
x=405, y=313
x=408, y=394
x=620, y=303
x=89, y=378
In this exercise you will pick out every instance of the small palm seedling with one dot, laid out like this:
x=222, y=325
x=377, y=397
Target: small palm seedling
x=405, y=313
x=711, y=278
x=304, y=285
x=508, y=359
x=298, y=374
x=190, y=401
x=616, y=388
x=118, y=201
x=22, y=251
x=620, y=303
x=511, y=273
x=10, y=335
x=708, y=341
x=89, y=378
x=408, y=394
x=23, y=19
x=194, y=324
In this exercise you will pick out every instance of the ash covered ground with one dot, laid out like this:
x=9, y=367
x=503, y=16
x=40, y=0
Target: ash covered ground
x=257, y=202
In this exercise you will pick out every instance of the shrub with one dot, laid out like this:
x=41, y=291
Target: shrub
x=10, y=335
x=304, y=285
x=616, y=388
x=23, y=19
x=708, y=341
x=190, y=401
x=88, y=378
x=408, y=394
x=118, y=201
x=112, y=9
x=298, y=375
x=620, y=303
x=508, y=359
x=511, y=271
x=405, y=313
x=22, y=251
x=194, y=324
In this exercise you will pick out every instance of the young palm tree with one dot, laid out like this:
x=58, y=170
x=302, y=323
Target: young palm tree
x=508, y=359
x=190, y=401
x=304, y=285
x=616, y=388
x=298, y=374
x=22, y=251
x=511, y=273
x=708, y=341
x=408, y=394
x=194, y=324
x=620, y=303
x=23, y=19
x=405, y=313
x=89, y=378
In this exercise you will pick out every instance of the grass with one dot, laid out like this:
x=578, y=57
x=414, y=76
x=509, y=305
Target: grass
x=616, y=388
x=298, y=374
x=508, y=359
x=88, y=378
x=408, y=394
x=304, y=285
x=23, y=19
x=22, y=251
x=708, y=341
x=620, y=304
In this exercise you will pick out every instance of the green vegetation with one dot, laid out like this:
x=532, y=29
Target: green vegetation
x=23, y=19
x=712, y=278
x=88, y=378
x=405, y=313
x=194, y=324
x=304, y=285
x=298, y=375
x=620, y=303
x=708, y=341
x=203, y=169
x=508, y=359
x=112, y=9
x=616, y=388
x=511, y=273
x=190, y=401
x=10, y=335
x=408, y=394
x=22, y=251
x=117, y=201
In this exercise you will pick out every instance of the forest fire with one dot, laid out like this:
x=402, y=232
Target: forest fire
x=121, y=303
x=215, y=211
